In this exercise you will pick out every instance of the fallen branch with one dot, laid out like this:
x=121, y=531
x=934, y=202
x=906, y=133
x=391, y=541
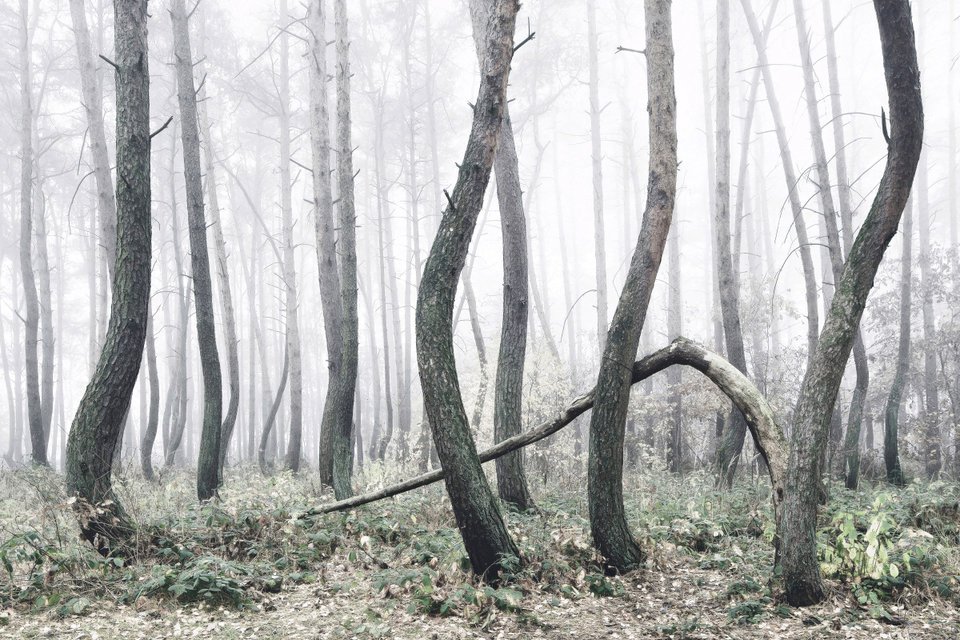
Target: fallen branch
x=767, y=434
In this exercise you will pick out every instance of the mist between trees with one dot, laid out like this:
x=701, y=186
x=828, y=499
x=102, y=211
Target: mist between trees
x=359, y=238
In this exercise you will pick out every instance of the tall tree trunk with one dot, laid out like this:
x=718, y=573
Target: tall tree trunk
x=485, y=535
x=383, y=223
x=45, y=300
x=31, y=318
x=608, y=522
x=932, y=455
x=99, y=419
x=508, y=388
x=801, y=571
x=674, y=330
x=208, y=464
x=223, y=280
x=347, y=246
x=330, y=287
x=599, y=237
x=731, y=444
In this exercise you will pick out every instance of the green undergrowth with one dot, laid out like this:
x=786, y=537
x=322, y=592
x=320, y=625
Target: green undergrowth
x=878, y=546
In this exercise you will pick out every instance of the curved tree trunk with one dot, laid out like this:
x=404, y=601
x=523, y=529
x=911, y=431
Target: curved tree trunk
x=608, y=522
x=150, y=432
x=801, y=571
x=208, y=463
x=99, y=419
x=484, y=533
x=271, y=417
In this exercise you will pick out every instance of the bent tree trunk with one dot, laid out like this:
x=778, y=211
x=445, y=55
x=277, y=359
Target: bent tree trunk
x=757, y=412
x=508, y=389
x=208, y=463
x=608, y=522
x=100, y=417
x=485, y=535
x=153, y=415
x=801, y=571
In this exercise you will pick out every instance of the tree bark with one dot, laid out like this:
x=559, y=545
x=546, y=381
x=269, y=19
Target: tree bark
x=208, y=463
x=891, y=428
x=99, y=419
x=150, y=432
x=801, y=571
x=485, y=535
x=608, y=522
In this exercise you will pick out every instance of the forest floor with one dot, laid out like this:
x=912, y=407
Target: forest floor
x=251, y=567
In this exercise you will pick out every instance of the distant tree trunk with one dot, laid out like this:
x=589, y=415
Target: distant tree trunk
x=801, y=571
x=150, y=432
x=674, y=330
x=271, y=417
x=485, y=535
x=477, y=331
x=790, y=178
x=208, y=464
x=330, y=287
x=99, y=419
x=347, y=249
x=932, y=455
x=31, y=318
x=731, y=443
x=45, y=299
x=291, y=303
x=608, y=522
x=383, y=222
x=599, y=237
x=891, y=435
x=366, y=287
x=97, y=138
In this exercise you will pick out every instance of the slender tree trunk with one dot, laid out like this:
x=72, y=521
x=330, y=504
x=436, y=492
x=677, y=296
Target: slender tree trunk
x=789, y=174
x=150, y=433
x=674, y=330
x=801, y=571
x=731, y=444
x=599, y=236
x=99, y=419
x=382, y=223
x=608, y=522
x=347, y=248
x=45, y=300
x=891, y=435
x=208, y=464
x=330, y=287
x=31, y=300
x=932, y=455
x=485, y=535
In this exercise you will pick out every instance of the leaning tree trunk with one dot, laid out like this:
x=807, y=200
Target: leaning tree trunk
x=150, y=432
x=208, y=464
x=508, y=387
x=99, y=419
x=347, y=250
x=608, y=522
x=330, y=288
x=485, y=535
x=801, y=571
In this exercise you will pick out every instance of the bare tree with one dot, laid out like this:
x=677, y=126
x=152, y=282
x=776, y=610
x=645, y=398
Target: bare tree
x=599, y=236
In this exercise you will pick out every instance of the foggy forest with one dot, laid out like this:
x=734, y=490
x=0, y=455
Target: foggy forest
x=479, y=319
